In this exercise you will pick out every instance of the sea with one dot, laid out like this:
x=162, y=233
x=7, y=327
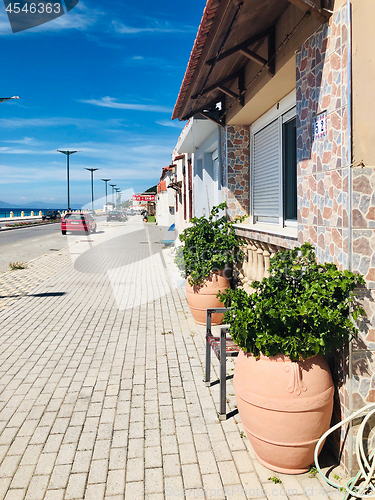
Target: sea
x=4, y=212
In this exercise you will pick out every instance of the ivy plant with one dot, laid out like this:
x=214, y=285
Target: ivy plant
x=301, y=309
x=209, y=246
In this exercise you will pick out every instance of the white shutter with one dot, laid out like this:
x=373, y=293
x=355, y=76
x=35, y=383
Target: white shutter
x=215, y=166
x=267, y=171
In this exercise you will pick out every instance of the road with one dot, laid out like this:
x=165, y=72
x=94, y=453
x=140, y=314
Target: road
x=25, y=244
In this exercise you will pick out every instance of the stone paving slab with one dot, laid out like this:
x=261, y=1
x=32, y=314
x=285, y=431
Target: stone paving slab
x=101, y=384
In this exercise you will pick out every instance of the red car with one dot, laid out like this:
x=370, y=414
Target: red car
x=78, y=222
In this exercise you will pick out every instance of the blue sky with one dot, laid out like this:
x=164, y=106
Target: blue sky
x=102, y=79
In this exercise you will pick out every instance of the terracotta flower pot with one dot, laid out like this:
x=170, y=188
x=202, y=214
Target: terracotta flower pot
x=202, y=297
x=284, y=407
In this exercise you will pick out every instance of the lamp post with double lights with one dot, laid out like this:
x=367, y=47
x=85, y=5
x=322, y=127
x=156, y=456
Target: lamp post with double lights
x=113, y=193
x=92, y=170
x=67, y=153
x=106, y=181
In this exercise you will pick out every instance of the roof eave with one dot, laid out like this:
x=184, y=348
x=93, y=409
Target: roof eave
x=204, y=32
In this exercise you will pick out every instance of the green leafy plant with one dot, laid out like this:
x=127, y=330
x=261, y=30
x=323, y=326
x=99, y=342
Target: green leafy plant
x=275, y=480
x=17, y=265
x=209, y=246
x=301, y=309
x=313, y=471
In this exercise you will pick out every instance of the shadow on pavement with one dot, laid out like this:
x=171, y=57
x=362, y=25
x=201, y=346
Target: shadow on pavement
x=121, y=251
x=45, y=294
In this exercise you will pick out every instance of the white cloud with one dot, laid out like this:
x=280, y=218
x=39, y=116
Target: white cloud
x=110, y=102
x=80, y=18
x=157, y=27
x=170, y=123
x=58, y=122
x=25, y=140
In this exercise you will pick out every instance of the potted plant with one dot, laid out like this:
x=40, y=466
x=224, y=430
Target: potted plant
x=284, y=390
x=209, y=249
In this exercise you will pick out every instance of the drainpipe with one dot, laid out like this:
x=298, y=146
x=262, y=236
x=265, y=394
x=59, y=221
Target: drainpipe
x=350, y=220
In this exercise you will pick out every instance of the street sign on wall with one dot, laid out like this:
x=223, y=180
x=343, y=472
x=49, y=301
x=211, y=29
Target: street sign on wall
x=143, y=197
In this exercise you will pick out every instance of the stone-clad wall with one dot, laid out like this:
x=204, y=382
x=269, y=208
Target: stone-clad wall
x=322, y=165
x=238, y=167
x=323, y=198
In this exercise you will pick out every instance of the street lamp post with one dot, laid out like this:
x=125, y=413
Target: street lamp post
x=106, y=181
x=113, y=191
x=92, y=170
x=118, y=190
x=67, y=153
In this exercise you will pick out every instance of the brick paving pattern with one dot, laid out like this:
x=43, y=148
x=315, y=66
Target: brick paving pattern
x=16, y=284
x=101, y=391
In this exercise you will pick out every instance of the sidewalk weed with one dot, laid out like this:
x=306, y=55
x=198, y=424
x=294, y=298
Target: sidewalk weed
x=17, y=265
x=275, y=480
x=313, y=471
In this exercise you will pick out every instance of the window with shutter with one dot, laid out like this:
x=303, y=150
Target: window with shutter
x=274, y=165
x=266, y=172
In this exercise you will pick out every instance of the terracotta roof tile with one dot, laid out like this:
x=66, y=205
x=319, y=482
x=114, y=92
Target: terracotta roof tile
x=204, y=29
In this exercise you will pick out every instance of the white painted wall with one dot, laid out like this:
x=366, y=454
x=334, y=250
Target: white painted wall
x=207, y=185
x=164, y=200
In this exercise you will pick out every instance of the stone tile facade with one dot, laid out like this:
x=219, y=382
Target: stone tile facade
x=237, y=149
x=323, y=200
x=322, y=165
x=322, y=171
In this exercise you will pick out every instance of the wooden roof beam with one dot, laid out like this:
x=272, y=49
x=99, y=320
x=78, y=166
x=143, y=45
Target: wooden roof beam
x=242, y=48
x=225, y=80
x=228, y=92
x=253, y=56
x=237, y=48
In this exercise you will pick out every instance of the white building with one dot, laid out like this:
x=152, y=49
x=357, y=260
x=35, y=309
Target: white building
x=165, y=200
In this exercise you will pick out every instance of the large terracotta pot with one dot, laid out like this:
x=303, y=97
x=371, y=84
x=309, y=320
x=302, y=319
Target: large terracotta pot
x=202, y=297
x=284, y=407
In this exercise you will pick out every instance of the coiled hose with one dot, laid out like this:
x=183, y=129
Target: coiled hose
x=366, y=464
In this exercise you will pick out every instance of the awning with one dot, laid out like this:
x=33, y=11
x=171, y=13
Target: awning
x=232, y=35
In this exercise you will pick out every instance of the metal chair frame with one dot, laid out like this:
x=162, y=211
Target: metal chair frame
x=219, y=346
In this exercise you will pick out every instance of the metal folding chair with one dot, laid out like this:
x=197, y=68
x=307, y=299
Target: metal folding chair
x=223, y=347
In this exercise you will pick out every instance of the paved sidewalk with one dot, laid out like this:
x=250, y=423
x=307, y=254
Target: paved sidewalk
x=101, y=391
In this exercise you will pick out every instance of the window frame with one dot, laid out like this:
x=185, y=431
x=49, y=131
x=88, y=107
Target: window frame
x=283, y=111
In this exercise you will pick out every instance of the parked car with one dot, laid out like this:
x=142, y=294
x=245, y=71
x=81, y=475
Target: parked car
x=75, y=222
x=114, y=215
x=51, y=215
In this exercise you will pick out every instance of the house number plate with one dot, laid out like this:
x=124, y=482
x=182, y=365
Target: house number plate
x=319, y=126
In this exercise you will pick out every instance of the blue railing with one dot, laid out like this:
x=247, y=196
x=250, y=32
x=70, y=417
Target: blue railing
x=18, y=213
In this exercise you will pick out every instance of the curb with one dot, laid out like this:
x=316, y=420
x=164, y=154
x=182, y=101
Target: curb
x=24, y=227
